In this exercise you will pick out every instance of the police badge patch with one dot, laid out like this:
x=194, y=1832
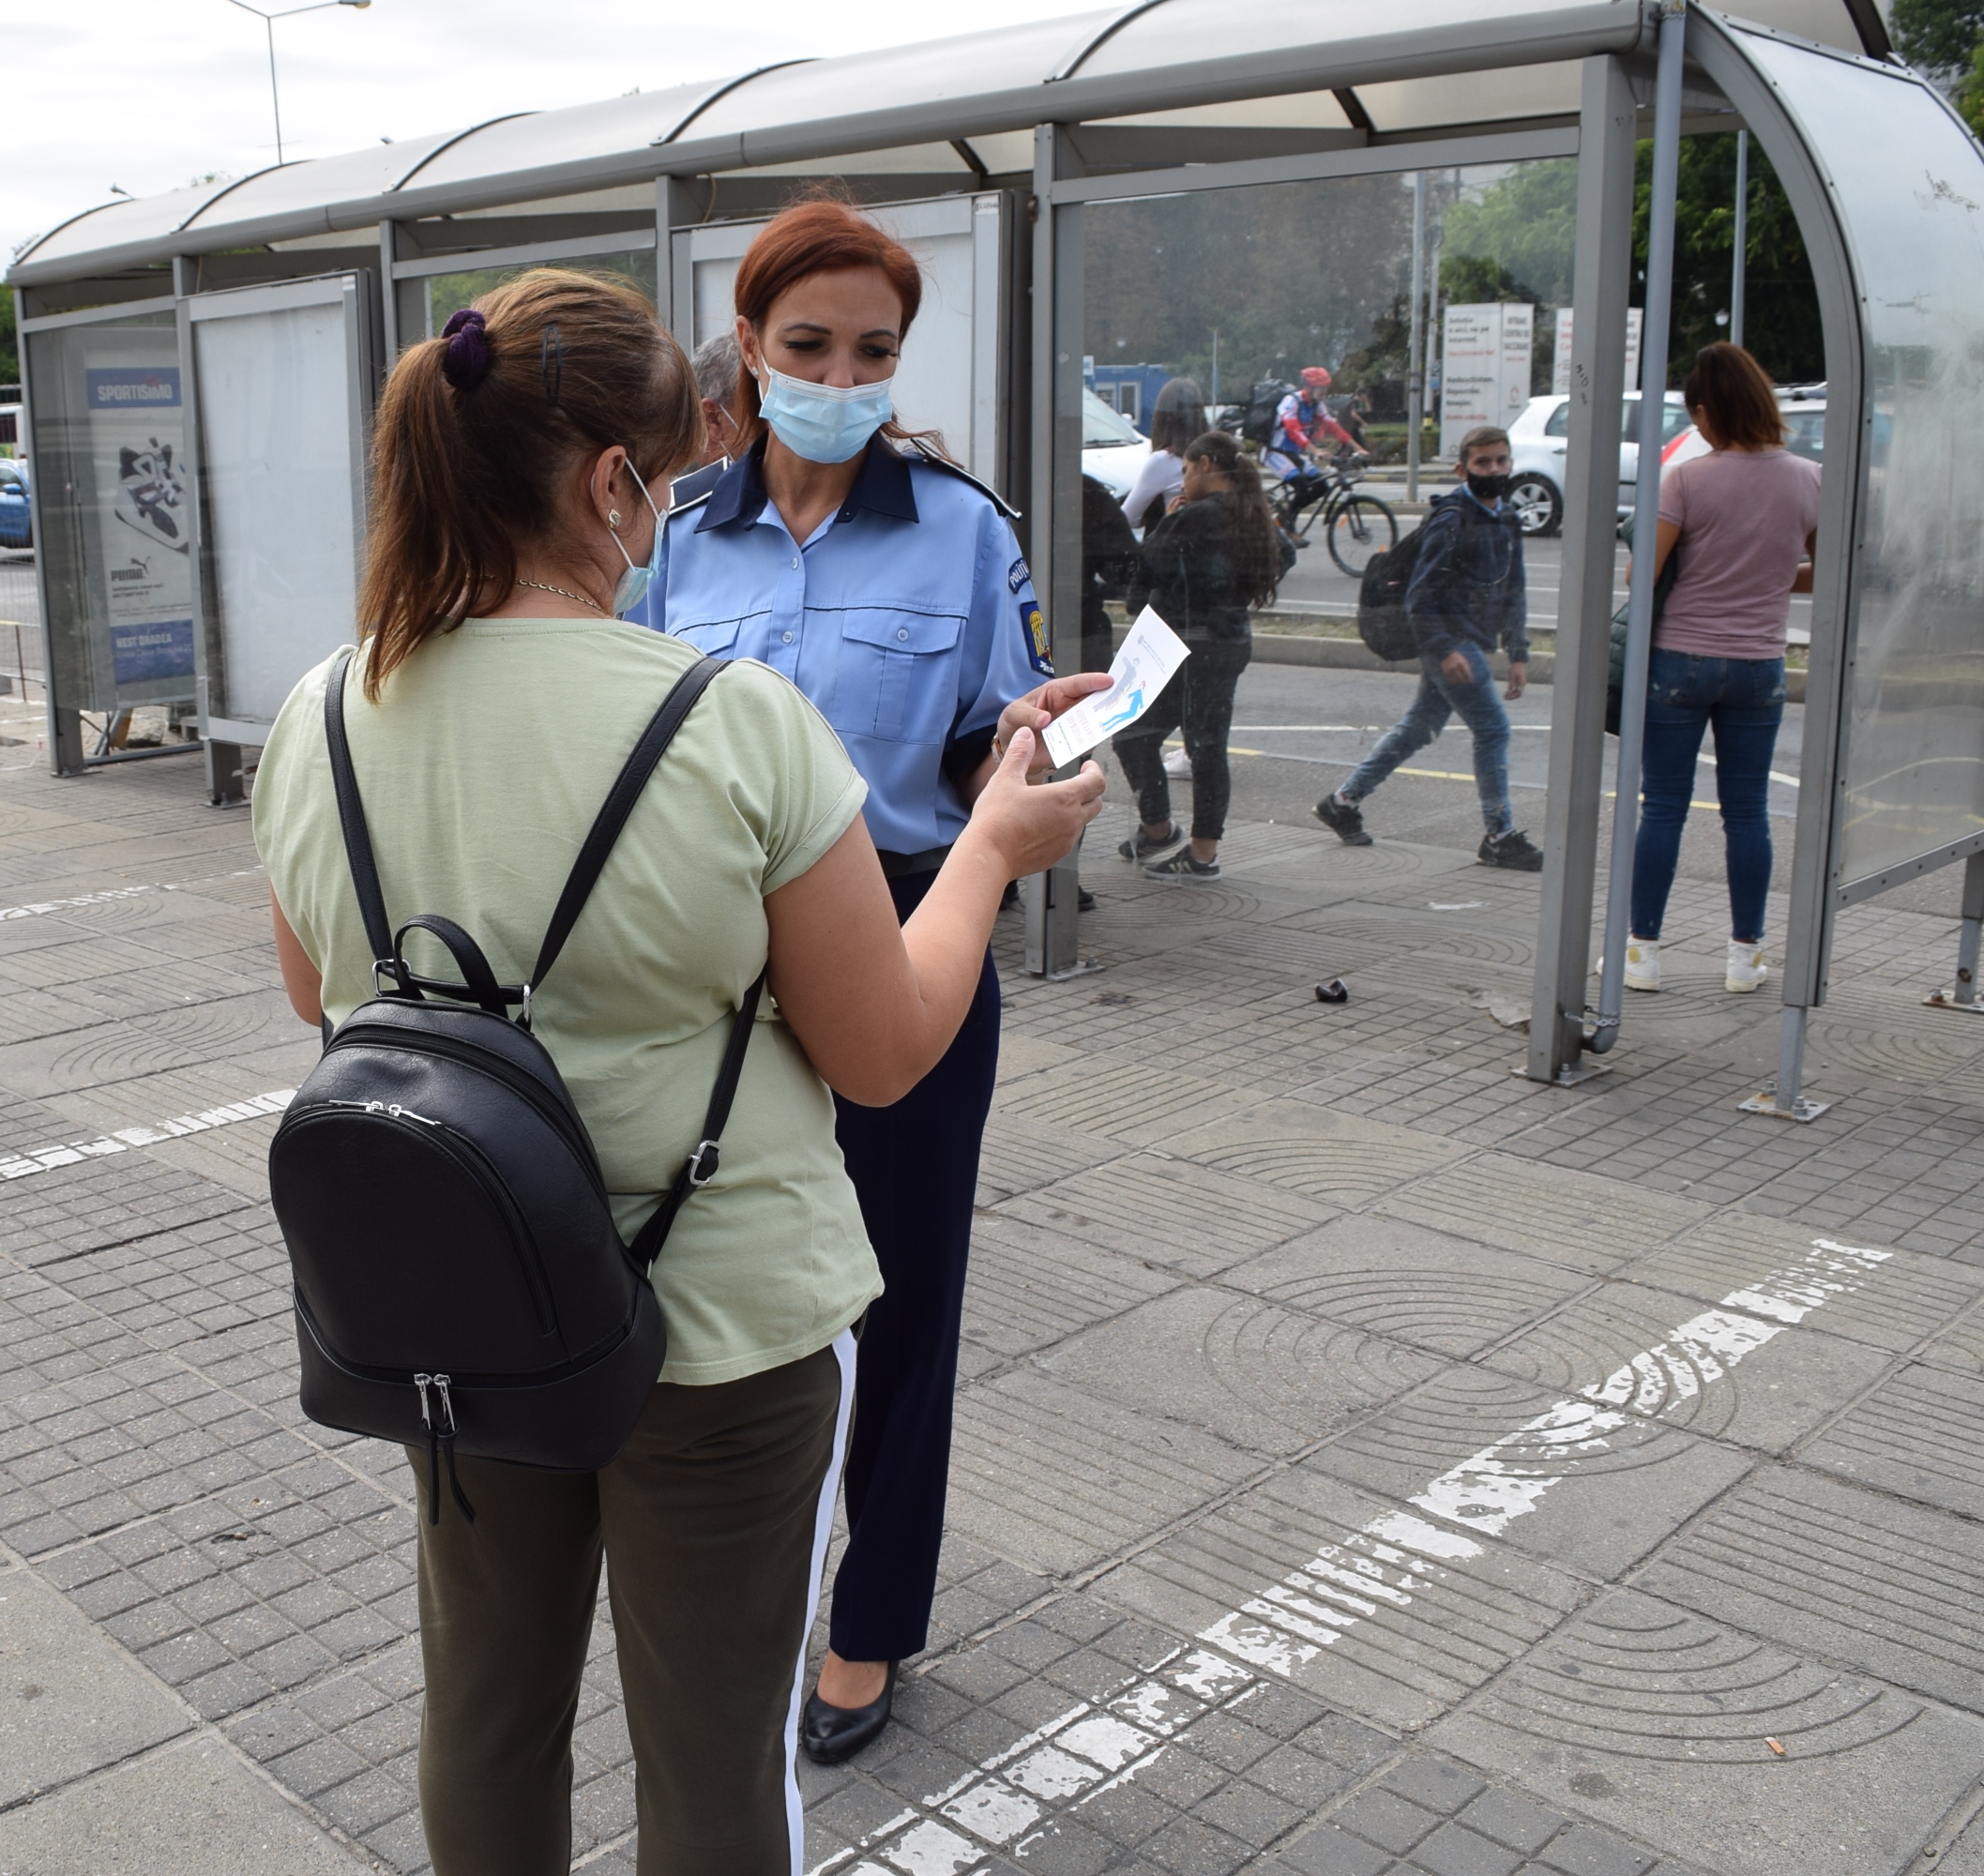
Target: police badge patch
x=1039, y=654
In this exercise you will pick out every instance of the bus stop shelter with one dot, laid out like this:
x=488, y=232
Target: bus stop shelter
x=200, y=366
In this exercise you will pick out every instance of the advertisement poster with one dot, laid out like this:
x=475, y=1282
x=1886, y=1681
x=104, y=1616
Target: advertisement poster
x=1560, y=370
x=137, y=438
x=1485, y=359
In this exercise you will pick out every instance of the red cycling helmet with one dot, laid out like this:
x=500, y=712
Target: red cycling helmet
x=1315, y=377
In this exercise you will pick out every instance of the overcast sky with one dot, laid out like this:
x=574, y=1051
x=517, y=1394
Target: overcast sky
x=149, y=94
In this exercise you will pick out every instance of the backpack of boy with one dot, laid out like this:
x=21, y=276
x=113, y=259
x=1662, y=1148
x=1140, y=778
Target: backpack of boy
x=1382, y=622
x=458, y=1276
x=1263, y=400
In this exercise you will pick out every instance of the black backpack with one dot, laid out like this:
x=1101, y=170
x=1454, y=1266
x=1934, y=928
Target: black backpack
x=1382, y=622
x=1263, y=400
x=459, y=1278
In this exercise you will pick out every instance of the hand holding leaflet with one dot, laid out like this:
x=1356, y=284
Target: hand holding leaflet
x=1150, y=656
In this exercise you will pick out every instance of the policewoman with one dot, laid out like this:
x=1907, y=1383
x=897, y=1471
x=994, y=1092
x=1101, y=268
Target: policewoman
x=888, y=585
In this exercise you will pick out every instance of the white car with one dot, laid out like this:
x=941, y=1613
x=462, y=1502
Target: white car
x=1114, y=450
x=1539, y=441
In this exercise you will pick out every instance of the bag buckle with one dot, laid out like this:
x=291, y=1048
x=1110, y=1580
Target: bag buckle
x=702, y=1164
x=395, y=986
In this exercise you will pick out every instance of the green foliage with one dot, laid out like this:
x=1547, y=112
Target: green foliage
x=1528, y=221
x=1970, y=94
x=1475, y=279
x=9, y=348
x=1781, y=325
x=1938, y=36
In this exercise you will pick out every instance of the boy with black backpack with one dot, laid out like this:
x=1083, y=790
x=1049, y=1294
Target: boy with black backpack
x=1464, y=598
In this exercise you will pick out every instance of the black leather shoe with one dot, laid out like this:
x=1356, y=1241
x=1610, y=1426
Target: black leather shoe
x=832, y=1734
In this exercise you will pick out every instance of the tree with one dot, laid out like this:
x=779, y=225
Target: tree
x=1781, y=323
x=1938, y=37
x=9, y=349
x=1970, y=94
x=1526, y=224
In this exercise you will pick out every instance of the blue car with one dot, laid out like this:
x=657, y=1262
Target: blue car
x=15, y=529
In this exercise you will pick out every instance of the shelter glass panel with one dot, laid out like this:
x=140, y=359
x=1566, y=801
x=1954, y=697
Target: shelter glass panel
x=1910, y=181
x=426, y=303
x=280, y=488
x=1213, y=303
x=113, y=483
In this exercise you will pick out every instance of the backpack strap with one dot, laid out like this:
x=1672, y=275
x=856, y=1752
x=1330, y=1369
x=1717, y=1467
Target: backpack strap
x=351, y=817
x=701, y=1166
x=619, y=805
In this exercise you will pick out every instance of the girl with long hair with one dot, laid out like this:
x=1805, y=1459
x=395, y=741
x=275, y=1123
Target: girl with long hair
x=1216, y=555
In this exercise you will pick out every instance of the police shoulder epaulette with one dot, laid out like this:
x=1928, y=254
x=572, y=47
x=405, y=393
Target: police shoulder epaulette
x=924, y=459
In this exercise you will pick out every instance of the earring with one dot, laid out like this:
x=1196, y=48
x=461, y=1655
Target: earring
x=613, y=518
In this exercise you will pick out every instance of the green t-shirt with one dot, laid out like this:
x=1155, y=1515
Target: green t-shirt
x=482, y=769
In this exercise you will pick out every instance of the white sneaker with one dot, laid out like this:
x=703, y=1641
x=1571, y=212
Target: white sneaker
x=1176, y=763
x=1642, y=963
x=1747, y=968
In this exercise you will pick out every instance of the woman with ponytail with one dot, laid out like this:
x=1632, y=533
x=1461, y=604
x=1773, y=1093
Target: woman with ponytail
x=492, y=703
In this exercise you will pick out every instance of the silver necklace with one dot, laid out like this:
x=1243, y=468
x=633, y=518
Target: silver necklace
x=538, y=586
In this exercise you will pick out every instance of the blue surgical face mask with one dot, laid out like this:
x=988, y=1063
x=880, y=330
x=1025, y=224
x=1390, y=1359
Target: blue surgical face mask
x=634, y=583
x=823, y=423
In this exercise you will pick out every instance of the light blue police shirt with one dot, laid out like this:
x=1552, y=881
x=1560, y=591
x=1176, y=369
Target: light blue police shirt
x=908, y=618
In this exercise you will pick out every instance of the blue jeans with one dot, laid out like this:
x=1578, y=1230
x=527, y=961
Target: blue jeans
x=1478, y=705
x=1744, y=699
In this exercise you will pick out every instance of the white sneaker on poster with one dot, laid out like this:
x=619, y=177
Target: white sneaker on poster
x=1642, y=963
x=1747, y=968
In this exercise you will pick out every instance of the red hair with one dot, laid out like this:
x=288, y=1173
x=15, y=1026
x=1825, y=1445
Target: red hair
x=820, y=234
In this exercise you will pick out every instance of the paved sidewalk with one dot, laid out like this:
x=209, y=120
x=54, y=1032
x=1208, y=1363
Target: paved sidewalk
x=1368, y=1462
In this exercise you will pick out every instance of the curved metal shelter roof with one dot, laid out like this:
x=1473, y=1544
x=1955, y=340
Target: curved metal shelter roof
x=1410, y=69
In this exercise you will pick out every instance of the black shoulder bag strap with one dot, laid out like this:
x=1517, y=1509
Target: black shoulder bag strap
x=351, y=816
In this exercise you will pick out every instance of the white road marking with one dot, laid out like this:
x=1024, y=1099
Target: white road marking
x=45, y=906
x=43, y=1158
x=1010, y=1800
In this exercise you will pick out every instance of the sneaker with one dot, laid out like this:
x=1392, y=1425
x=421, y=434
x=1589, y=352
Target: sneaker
x=1747, y=968
x=1513, y=850
x=1085, y=899
x=1344, y=818
x=1642, y=963
x=1183, y=866
x=1177, y=763
x=1139, y=847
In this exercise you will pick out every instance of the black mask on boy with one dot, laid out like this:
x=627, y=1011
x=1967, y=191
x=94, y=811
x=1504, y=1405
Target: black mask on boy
x=1487, y=487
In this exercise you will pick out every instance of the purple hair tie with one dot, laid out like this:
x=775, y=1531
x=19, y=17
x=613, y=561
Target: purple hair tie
x=465, y=363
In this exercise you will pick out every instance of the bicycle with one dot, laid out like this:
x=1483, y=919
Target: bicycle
x=1357, y=528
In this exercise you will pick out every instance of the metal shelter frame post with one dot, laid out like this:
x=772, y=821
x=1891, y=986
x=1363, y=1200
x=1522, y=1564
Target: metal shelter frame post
x=1602, y=277
x=1739, y=258
x=1646, y=515
x=1416, y=363
x=1053, y=899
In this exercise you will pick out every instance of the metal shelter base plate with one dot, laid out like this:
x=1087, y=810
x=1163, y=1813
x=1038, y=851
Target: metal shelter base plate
x=1799, y=1110
x=1570, y=1075
x=1947, y=1000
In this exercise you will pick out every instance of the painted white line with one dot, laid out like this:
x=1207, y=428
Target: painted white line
x=43, y=1158
x=1284, y=1629
x=1011, y=1800
x=45, y=906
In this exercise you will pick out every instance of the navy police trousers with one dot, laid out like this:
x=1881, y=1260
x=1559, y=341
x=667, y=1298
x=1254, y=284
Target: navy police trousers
x=915, y=1168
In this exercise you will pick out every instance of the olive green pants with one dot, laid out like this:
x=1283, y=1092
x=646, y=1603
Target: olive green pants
x=714, y=1520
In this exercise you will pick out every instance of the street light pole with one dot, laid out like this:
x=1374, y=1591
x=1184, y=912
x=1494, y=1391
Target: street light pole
x=268, y=25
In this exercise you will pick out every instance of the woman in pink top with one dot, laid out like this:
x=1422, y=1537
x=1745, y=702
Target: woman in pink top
x=1742, y=520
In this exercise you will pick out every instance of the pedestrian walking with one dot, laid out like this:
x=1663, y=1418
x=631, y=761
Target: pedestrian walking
x=1466, y=599
x=1212, y=558
x=488, y=714
x=1744, y=521
x=852, y=557
x=1175, y=419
